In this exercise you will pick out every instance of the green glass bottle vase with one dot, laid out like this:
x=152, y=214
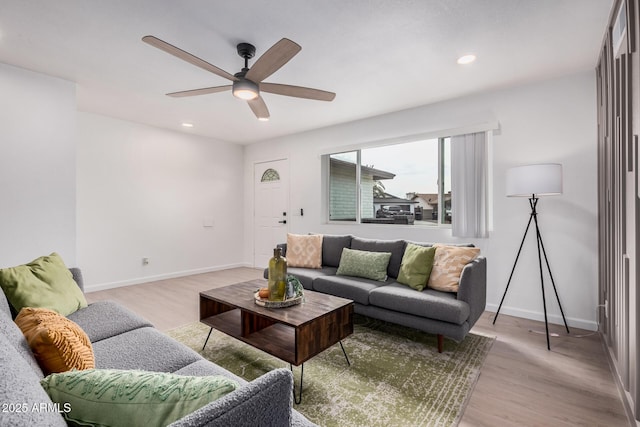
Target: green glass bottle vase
x=277, y=276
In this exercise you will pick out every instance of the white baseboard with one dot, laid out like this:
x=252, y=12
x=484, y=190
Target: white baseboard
x=555, y=319
x=172, y=275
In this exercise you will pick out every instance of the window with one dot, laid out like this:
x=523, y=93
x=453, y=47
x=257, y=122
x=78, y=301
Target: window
x=270, y=175
x=407, y=183
x=343, y=185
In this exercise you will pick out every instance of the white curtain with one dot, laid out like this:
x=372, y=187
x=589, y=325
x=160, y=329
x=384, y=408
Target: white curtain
x=469, y=176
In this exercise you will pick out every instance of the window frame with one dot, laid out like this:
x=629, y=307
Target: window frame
x=441, y=207
x=358, y=150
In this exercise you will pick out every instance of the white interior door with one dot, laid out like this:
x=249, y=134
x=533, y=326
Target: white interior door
x=270, y=209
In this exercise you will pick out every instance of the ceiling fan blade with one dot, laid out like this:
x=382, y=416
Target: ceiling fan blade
x=259, y=108
x=203, y=91
x=186, y=56
x=297, y=91
x=271, y=61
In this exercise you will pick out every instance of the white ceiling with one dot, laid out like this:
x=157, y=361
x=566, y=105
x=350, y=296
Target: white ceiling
x=378, y=56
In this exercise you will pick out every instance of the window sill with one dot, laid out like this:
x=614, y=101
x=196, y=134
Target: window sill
x=416, y=225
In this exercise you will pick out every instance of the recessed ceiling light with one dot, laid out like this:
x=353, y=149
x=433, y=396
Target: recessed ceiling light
x=187, y=125
x=263, y=119
x=466, y=59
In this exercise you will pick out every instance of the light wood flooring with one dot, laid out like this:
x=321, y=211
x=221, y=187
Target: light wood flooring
x=521, y=382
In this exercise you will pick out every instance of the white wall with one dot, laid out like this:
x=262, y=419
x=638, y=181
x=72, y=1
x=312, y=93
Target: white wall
x=37, y=167
x=550, y=121
x=143, y=191
x=147, y=192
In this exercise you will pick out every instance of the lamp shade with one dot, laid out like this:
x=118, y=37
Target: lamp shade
x=539, y=180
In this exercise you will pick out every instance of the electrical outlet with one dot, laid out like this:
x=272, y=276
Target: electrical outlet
x=145, y=261
x=606, y=308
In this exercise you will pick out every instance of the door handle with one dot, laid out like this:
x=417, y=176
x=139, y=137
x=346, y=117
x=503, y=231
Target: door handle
x=284, y=221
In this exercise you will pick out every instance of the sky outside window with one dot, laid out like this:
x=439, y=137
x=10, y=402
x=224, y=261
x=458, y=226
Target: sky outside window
x=415, y=165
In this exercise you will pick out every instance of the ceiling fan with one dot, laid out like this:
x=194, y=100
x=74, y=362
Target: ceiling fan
x=248, y=82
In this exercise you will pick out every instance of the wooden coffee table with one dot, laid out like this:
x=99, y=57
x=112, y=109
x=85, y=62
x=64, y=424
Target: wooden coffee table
x=293, y=334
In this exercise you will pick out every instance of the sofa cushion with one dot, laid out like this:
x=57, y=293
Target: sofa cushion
x=365, y=264
x=416, y=266
x=307, y=276
x=396, y=247
x=120, y=397
x=145, y=349
x=304, y=250
x=204, y=367
x=428, y=303
x=92, y=320
x=15, y=337
x=332, y=249
x=20, y=386
x=44, y=282
x=448, y=264
x=58, y=344
x=353, y=288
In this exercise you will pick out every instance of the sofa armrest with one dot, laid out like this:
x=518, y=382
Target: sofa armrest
x=473, y=288
x=265, y=401
x=283, y=248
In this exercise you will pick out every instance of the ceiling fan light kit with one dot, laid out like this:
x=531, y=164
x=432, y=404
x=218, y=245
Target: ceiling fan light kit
x=245, y=89
x=247, y=83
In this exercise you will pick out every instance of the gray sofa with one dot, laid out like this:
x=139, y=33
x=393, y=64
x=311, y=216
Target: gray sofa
x=123, y=340
x=442, y=313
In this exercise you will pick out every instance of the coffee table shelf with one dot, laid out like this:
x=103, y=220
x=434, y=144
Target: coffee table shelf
x=276, y=339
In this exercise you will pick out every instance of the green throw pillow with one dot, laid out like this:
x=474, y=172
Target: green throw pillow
x=365, y=264
x=43, y=283
x=416, y=266
x=109, y=397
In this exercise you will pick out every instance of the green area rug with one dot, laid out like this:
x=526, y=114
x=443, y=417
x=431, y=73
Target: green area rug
x=396, y=377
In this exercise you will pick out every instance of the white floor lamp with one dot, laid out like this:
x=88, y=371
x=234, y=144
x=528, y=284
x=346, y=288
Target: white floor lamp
x=534, y=181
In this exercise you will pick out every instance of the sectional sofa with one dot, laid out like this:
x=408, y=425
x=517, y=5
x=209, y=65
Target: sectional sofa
x=123, y=340
x=445, y=314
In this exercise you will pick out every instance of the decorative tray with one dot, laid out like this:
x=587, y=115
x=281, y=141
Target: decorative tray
x=277, y=304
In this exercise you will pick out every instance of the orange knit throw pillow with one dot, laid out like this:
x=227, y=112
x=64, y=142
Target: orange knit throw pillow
x=58, y=343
